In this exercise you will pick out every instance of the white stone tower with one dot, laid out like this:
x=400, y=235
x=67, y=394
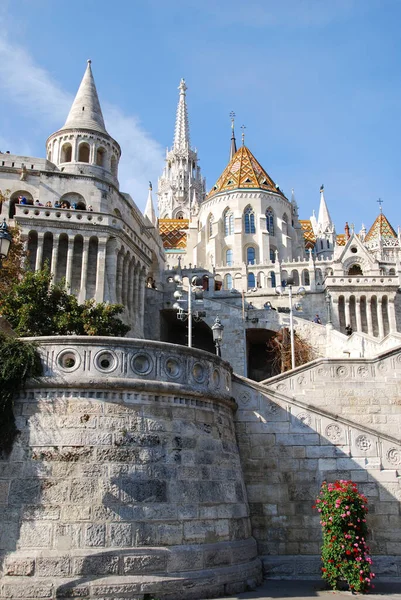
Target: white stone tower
x=181, y=187
x=83, y=146
x=324, y=230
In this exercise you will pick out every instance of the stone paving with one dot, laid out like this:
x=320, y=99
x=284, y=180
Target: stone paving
x=312, y=590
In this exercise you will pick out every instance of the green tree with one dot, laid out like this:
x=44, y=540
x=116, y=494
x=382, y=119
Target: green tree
x=35, y=306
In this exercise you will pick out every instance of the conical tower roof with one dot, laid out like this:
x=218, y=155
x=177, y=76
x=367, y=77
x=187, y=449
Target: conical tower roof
x=149, y=209
x=243, y=172
x=381, y=228
x=181, y=133
x=324, y=221
x=85, y=112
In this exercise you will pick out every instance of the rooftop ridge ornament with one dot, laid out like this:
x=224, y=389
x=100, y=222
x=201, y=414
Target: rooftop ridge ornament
x=233, y=144
x=243, y=127
x=181, y=134
x=380, y=202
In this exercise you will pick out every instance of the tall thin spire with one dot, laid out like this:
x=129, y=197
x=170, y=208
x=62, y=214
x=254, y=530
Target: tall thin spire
x=324, y=221
x=85, y=112
x=181, y=135
x=149, y=209
x=233, y=145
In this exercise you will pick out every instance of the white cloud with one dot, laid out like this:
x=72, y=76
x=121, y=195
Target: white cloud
x=39, y=96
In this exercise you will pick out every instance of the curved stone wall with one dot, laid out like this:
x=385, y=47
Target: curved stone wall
x=125, y=481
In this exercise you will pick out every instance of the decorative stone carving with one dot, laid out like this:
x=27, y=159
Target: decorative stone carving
x=363, y=443
x=342, y=372
x=281, y=387
x=198, y=372
x=68, y=360
x=106, y=361
x=172, y=367
x=333, y=432
x=245, y=398
x=382, y=367
x=363, y=371
x=394, y=456
x=304, y=419
x=142, y=363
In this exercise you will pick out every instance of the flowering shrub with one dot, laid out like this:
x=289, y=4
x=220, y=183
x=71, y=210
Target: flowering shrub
x=345, y=555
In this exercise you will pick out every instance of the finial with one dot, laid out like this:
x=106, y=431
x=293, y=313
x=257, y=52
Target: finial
x=322, y=187
x=243, y=127
x=150, y=185
x=232, y=117
x=182, y=87
x=380, y=202
x=89, y=61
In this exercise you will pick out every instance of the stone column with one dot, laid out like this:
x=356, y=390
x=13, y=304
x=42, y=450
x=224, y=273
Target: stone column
x=125, y=280
x=39, y=252
x=335, y=314
x=131, y=272
x=84, y=272
x=136, y=292
x=56, y=238
x=347, y=311
x=391, y=316
x=70, y=257
x=141, y=306
x=101, y=270
x=380, y=317
x=358, y=314
x=369, y=314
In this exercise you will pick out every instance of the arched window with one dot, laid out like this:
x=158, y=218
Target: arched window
x=272, y=255
x=270, y=221
x=83, y=153
x=250, y=255
x=251, y=281
x=273, y=278
x=355, y=270
x=179, y=215
x=66, y=153
x=100, y=157
x=305, y=277
x=113, y=166
x=210, y=226
x=228, y=222
x=228, y=282
x=229, y=257
x=391, y=272
x=285, y=224
x=249, y=217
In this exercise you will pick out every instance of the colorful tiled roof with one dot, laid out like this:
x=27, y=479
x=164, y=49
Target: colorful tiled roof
x=243, y=172
x=380, y=228
x=341, y=239
x=308, y=233
x=172, y=234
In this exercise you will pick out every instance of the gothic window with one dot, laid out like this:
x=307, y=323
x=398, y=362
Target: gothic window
x=228, y=282
x=251, y=281
x=305, y=277
x=273, y=278
x=66, y=153
x=229, y=257
x=355, y=270
x=328, y=243
x=270, y=221
x=83, y=153
x=180, y=215
x=228, y=222
x=250, y=256
x=100, y=157
x=272, y=255
x=249, y=217
x=285, y=224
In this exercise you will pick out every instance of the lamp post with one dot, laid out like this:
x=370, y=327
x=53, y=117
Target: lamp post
x=217, y=330
x=5, y=241
x=193, y=286
x=300, y=292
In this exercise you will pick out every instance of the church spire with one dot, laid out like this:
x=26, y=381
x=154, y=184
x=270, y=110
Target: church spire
x=324, y=222
x=181, y=135
x=233, y=145
x=149, y=210
x=85, y=112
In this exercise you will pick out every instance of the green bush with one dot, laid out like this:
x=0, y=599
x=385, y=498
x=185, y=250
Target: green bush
x=345, y=554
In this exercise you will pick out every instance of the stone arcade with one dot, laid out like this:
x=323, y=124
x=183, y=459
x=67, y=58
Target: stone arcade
x=147, y=469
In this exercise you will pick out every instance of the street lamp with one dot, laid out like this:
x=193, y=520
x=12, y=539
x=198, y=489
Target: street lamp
x=300, y=292
x=217, y=330
x=193, y=286
x=5, y=241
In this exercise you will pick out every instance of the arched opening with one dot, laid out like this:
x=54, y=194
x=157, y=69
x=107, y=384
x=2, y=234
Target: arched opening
x=47, y=249
x=66, y=153
x=375, y=321
x=83, y=152
x=19, y=197
x=270, y=221
x=179, y=215
x=92, y=268
x=386, y=323
x=355, y=270
x=272, y=255
x=62, y=257
x=284, y=278
x=319, y=276
x=352, y=313
x=229, y=257
x=295, y=277
x=262, y=361
x=205, y=283
x=251, y=281
x=260, y=279
x=228, y=218
x=174, y=331
x=305, y=277
x=272, y=277
x=77, y=264
x=32, y=249
x=228, y=282
x=341, y=313
x=218, y=283
x=73, y=200
x=364, y=317
x=100, y=157
x=250, y=255
x=249, y=220
x=391, y=272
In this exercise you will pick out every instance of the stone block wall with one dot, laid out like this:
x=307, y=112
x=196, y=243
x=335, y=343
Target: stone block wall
x=125, y=480
x=287, y=448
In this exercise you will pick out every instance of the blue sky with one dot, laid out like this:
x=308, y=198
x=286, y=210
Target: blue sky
x=316, y=82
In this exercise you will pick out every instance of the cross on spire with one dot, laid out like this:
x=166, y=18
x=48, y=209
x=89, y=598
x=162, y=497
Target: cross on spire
x=243, y=127
x=232, y=117
x=233, y=144
x=380, y=202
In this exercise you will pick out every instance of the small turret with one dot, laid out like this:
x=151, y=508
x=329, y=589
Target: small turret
x=149, y=209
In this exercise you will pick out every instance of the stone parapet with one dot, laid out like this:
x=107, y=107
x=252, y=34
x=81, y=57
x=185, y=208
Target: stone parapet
x=125, y=480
